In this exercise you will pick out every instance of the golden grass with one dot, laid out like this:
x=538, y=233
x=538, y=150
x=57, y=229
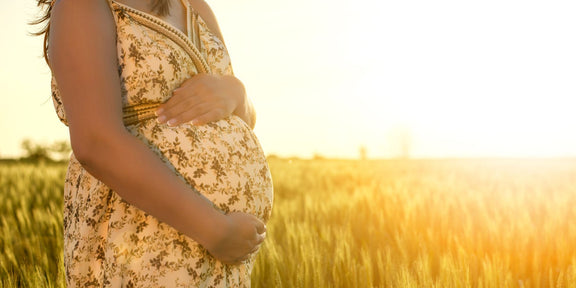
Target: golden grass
x=449, y=223
x=427, y=223
x=31, y=225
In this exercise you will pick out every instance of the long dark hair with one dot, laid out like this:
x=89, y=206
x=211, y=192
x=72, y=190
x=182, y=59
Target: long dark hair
x=160, y=7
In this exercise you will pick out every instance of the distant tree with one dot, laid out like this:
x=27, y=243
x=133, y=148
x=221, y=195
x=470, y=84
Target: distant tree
x=401, y=142
x=405, y=144
x=363, y=152
x=61, y=148
x=38, y=152
x=317, y=156
x=35, y=152
x=272, y=157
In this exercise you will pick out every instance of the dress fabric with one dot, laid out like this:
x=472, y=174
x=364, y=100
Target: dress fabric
x=110, y=243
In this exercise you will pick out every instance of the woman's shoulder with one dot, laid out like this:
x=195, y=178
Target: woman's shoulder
x=79, y=5
x=81, y=19
x=94, y=12
x=207, y=15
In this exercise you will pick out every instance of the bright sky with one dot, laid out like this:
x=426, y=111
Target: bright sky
x=463, y=78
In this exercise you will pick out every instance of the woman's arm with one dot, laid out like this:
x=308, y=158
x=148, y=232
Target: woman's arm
x=206, y=98
x=83, y=59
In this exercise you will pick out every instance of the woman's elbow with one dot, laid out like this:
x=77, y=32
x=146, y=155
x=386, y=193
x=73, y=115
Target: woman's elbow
x=82, y=148
x=88, y=147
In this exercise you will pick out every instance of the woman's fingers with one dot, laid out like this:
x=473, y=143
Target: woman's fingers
x=179, y=97
x=174, y=108
x=183, y=99
x=209, y=116
x=247, y=256
x=192, y=116
x=183, y=114
x=196, y=109
x=244, y=237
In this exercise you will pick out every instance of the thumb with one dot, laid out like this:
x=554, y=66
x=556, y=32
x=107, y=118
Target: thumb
x=260, y=227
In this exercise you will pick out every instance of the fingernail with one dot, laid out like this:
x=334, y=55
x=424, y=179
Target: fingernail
x=172, y=122
x=161, y=119
x=159, y=111
x=195, y=122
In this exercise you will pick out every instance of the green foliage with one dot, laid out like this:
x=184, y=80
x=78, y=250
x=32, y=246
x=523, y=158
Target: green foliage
x=460, y=223
x=37, y=152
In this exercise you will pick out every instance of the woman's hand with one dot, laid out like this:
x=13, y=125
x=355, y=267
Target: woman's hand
x=202, y=99
x=242, y=237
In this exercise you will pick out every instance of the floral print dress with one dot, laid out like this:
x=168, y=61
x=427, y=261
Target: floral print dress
x=110, y=243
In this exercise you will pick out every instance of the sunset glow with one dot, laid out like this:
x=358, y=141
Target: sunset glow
x=489, y=78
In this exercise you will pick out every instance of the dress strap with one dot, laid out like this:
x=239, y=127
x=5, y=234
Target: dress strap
x=192, y=25
x=189, y=23
x=110, y=5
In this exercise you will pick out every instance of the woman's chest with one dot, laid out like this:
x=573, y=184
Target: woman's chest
x=155, y=58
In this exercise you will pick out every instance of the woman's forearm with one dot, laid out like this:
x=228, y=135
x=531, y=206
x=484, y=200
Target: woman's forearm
x=138, y=175
x=246, y=112
x=244, y=109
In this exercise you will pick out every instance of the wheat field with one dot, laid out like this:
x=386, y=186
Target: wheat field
x=350, y=223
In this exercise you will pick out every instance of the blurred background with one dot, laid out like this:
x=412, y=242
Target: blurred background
x=418, y=79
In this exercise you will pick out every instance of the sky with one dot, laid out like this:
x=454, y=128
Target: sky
x=456, y=78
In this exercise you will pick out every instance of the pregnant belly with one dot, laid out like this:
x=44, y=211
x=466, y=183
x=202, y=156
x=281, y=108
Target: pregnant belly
x=223, y=160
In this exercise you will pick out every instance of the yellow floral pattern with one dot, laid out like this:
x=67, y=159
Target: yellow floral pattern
x=110, y=243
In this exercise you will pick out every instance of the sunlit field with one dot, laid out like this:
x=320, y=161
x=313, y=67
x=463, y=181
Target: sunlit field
x=347, y=223
x=31, y=225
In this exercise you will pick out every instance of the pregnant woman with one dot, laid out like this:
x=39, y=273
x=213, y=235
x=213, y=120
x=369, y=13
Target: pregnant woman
x=167, y=185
